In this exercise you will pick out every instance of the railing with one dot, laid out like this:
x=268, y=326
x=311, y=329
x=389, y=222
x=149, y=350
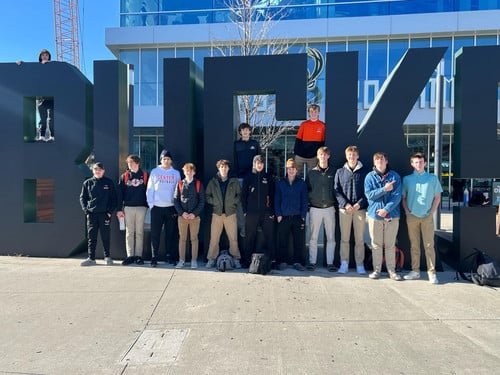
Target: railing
x=305, y=11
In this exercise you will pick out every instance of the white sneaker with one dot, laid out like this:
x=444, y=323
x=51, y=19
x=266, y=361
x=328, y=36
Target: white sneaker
x=194, y=264
x=433, y=278
x=88, y=262
x=210, y=263
x=412, y=276
x=344, y=268
x=361, y=270
x=180, y=264
x=374, y=275
x=108, y=261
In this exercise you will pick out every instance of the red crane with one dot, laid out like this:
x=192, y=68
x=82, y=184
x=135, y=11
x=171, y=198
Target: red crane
x=66, y=30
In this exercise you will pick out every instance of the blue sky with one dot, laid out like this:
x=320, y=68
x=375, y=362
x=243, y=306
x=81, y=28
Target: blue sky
x=27, y=26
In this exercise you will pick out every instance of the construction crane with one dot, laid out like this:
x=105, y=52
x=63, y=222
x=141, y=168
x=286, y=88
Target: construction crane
x=66, y=30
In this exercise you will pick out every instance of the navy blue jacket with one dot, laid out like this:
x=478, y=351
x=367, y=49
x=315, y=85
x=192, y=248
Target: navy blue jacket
x=291, y=199
x=350, y=186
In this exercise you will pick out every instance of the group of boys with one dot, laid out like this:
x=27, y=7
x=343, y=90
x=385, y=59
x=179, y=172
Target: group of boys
x=373, y=197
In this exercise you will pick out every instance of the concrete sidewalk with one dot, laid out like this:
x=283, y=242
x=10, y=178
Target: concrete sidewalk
x=59, y=318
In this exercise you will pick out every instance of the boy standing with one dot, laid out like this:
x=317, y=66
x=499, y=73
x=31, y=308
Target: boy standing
x=133, y=206
x=290, y=207
x=189, y=200
x=257, y=198
x=321, y=199
x=98, y=201
x=160, y=197
x=383, y=191
x=421, y=198
x=223, y=194
x=245, y=149
x=350, y=192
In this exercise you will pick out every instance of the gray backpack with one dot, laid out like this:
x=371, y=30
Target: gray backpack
x=225, y=261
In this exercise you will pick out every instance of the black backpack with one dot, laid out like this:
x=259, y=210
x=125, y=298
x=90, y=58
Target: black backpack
x=479, y=268
x=261, y=264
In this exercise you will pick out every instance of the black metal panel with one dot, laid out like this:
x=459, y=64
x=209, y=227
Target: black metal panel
x=57, y=160
x=476, y=106
x=183, y=111
x=475, y=227
x=111, y=132
x=225, y=77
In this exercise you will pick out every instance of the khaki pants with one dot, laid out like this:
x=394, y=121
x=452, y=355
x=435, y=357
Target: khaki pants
x=425, y=225
x=134, y=230
x=310, y=163
x=357, y=220
x=383, y=234
x=194, y=227
x=228, y=223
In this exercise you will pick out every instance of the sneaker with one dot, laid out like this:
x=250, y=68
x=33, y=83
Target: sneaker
x=237, y=264
x=283, y=266
x=374, y=275
x=361, y=270
x=433, y=278
x=154, y=262
x=344, y=267
x=108, y=261
x=128, y=260
x=180, y=264
x=299, y=267
x=210, y=263
x=412, y=276
x=394, y=276
x=331, y=268
x=311, y=267
x=194, y=264
x=139, y=261
x=88, y=262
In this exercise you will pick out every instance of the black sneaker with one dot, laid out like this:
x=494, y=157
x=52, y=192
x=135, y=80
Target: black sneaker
x=311, y=267
x=127, y=261
x=138, y=260
x=154, y=262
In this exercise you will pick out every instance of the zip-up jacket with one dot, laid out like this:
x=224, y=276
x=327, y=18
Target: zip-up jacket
x=378, y=198
x=350, y=185
x=223, y=204
x=189, y=200
x=98, y=195
x=257, y=194
x=310, y=137
x=291, y=199
x=320, y=187
x=133, y=192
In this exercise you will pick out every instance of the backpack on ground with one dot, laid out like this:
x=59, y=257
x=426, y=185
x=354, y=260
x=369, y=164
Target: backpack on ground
x=260, y=264
x=224, y=261
x=479, y=268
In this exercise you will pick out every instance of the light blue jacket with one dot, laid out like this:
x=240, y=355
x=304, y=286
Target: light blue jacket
x=379, y=198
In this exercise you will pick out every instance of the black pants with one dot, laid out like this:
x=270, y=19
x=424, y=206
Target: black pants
x=164, y=216
x=295, y=226
x=46, y=112
x=98, y=222
x=253, y=220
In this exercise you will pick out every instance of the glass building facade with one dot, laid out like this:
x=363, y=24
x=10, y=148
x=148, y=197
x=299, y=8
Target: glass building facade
x=380, y=31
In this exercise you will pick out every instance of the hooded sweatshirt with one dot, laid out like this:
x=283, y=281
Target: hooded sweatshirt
x=161, y=187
